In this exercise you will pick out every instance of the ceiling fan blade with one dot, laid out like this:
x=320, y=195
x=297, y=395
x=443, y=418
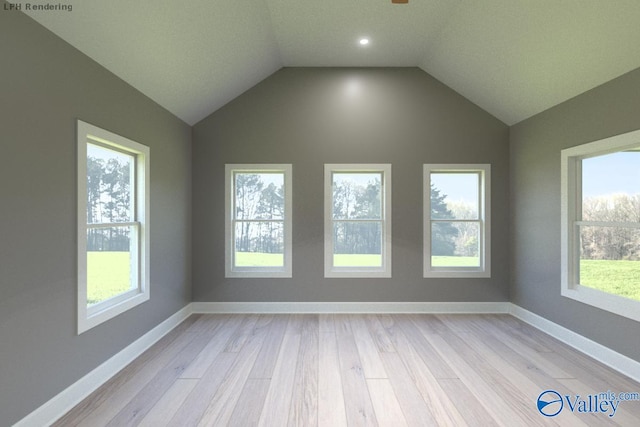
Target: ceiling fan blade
x=399, y=1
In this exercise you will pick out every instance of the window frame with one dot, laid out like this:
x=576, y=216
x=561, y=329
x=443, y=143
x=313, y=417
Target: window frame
x=571, y=206
x=484, y=221
x=89, y=317
x=331, y=271
x=231, y=270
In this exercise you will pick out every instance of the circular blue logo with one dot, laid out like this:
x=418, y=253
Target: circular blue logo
x=550, y=403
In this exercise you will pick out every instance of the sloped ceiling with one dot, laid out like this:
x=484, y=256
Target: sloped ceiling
x=514, y=58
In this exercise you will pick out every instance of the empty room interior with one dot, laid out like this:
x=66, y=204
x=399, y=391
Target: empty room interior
x=280, y=212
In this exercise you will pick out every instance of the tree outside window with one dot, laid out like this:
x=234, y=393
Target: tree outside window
x=456, y=225
x=258, y=231
x=358, y=220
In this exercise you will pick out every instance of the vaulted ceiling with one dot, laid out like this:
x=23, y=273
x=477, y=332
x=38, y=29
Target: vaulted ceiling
x=514, y=58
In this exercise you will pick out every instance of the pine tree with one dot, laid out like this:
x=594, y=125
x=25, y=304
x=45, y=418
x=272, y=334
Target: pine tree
x=443, y=234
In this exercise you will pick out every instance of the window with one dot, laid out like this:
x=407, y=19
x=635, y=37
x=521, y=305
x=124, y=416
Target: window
x=258, y=221
x=113, y=231
x=457, y=221
x=357, y=220
x=601, y=224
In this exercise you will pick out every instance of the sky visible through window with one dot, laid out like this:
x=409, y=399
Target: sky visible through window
x=617, y=173
x=458, y=187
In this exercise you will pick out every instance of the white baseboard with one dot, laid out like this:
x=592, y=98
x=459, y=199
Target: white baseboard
x=611, y=358
x=74, y=394
x=351, y=307
x=55, y=408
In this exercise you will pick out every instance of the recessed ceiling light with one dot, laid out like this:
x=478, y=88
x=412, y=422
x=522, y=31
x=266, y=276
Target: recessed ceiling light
x=364, y=41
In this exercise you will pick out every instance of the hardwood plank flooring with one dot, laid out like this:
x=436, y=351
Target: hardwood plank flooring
x=166, y=407
x=304, y=397
x=357, y=401
x=280, y=394
x=348, y=370
x=331, y=410
x=385, y=404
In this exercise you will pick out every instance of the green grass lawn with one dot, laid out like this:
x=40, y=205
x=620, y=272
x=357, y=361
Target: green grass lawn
x=455, y=261
x=615, y=277
x=107, y=275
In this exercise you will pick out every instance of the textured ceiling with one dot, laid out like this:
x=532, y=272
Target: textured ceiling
x=514, y=58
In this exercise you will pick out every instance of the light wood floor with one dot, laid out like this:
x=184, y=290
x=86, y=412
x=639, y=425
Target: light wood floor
x=339, y=370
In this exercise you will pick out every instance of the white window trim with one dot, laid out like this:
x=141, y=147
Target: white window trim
x=484, y=204
x=88, y=317
x=571, y=196
x=364, y=272
x=258, y=272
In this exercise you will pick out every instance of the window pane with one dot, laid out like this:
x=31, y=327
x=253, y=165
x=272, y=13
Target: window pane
x=109, y=185
x=455, y=244
x=259, y=195
x=357, y=244
x=357, y=195
x=111, y=263
x=610, y=256
x=610, y=260
x=611, y=179
x=259, y=244
x=455, y=195
x=611, y=187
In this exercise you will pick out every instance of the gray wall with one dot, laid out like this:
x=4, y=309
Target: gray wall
x=607, y=110
x=312, y=116
x=44, y=86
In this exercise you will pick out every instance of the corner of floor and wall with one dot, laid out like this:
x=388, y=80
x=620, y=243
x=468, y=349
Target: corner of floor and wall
x=297, y=116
